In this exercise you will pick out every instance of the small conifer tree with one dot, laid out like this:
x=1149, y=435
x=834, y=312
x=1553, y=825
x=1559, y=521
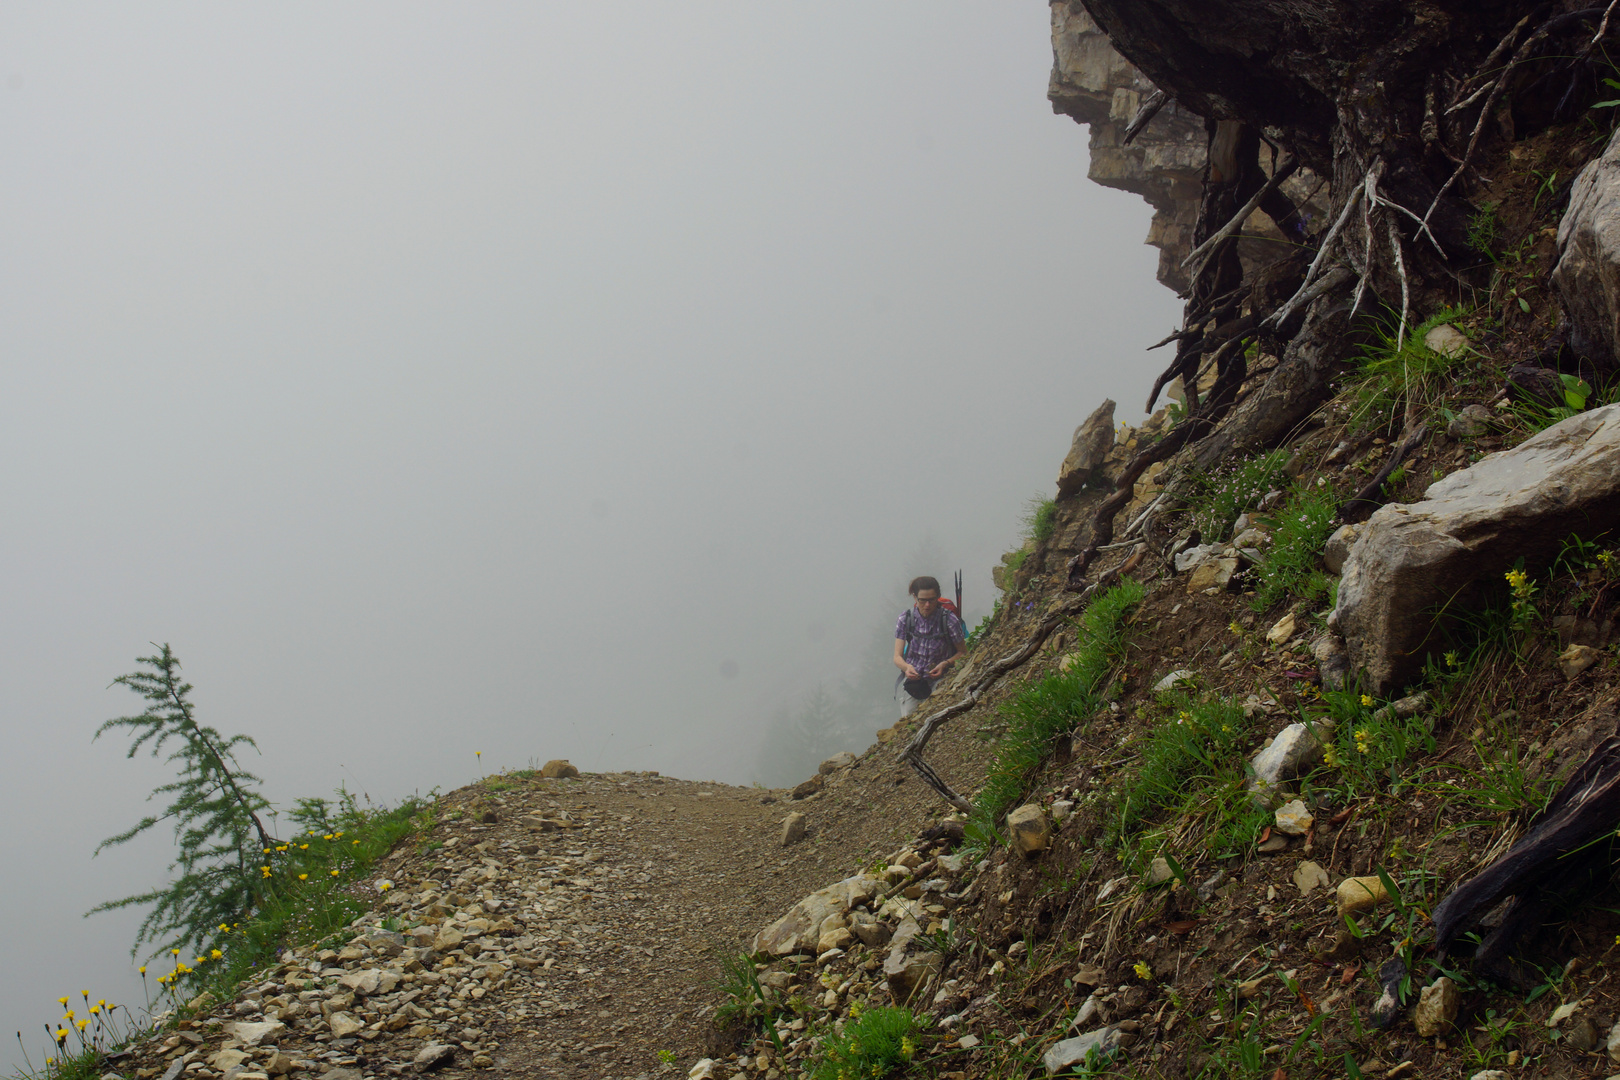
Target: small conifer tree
x=214, y=807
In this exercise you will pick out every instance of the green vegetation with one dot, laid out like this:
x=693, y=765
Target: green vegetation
x=1040, y=518
x=874, y=1044
x=1056, y=704
x=1483, y=229
x=1191, y=762
x=1299, y=533
x=745, y=1000
x=1397, y=371
x=1578, y=396
x=1373, y=747
x=214, y=807
x=1219, y=497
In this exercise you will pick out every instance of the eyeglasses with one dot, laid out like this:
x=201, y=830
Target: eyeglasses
x=927, y=599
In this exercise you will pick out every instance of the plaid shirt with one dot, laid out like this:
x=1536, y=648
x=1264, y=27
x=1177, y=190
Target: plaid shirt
x=931, y=639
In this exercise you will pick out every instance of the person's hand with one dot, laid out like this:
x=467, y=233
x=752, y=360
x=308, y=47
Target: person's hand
x=939, y=669
x=911, y=672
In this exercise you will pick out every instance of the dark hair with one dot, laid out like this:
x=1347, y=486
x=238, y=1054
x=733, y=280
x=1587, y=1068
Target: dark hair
x=918, y=584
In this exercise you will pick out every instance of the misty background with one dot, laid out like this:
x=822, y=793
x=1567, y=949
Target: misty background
x=535, y=380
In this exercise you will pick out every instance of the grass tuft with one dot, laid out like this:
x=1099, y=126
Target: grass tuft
x=1299, y=533
x=877, y=1042
x=1055, y=705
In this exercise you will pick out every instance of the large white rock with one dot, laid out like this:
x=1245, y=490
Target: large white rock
x=1587, y=274
x=1412, y=558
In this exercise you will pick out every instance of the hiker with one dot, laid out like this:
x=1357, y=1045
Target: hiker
x=928, y=639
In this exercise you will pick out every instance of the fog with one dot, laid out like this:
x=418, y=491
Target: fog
x=526, y=380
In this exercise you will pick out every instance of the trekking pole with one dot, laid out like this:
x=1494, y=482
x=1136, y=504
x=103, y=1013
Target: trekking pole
x=960, y=614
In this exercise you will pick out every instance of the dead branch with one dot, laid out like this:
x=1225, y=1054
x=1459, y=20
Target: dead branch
x=1490, y=61
x=1278, y=317
x=1283, y=172
x=1144, y=115
x=1367, y=499
x=1584, y=811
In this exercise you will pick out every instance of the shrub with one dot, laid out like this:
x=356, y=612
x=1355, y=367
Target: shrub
x=874, y=1044
x=1219, y=497
x=1040, y=518
x=1299, y=533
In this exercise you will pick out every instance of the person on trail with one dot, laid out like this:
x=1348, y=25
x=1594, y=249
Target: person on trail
x=928, y=639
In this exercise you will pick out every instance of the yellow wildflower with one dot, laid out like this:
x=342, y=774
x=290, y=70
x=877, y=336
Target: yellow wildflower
x=1366, y=701
x=82, y=1024
x=61, y=1036
x=142, y=969
x=1452, y=661
x=303, y=877
x=1516, y=579
x=64, y=1000
x=1143, y=972
x=95, y=1010
x=1363, y=741
x=334, y=873
x=216, y=954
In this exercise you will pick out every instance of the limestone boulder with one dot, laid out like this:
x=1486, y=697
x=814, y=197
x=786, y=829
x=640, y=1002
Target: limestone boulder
x=1092, y=441
x=799, y=931
x=1472, y=526
x=558, y=769
x=1587, y=274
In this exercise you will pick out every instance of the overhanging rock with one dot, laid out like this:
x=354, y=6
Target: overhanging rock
x=1412, y=558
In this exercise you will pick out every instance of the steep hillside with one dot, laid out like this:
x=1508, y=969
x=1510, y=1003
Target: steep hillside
x=1290, y=750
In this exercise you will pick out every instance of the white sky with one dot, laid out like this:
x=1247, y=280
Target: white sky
x=485, y=377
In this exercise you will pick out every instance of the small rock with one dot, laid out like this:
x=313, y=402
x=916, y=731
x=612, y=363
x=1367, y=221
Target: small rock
x=905, y=973
x=1562, y=1013
x=1070, y=1052
x=1360, y=893
x=250, y=1034
x=809, y=787
x=838, y=761
x=1281, y=630
x=1212, y=574
x=1584, y=1035
x=1338, y=547
x=1159, y=871
x=793, y=829
x=1031, y=831
x=1294, y=751
x=1308, y=876
x=1194, y=557
x=432, y=1056
x=558, y=769
x=1437, y=1008
x=1489, y=1074
x=1470, y=423
x=226, y=1059
x=343, y=1024
x=1576, y=659
x=1061, y=809
x=1613, y=1045
x=1447, y=341
x=1389, y=978
x=1294, y=819
x=703, y=1070
x=1332, y=660
x=1172, y=680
